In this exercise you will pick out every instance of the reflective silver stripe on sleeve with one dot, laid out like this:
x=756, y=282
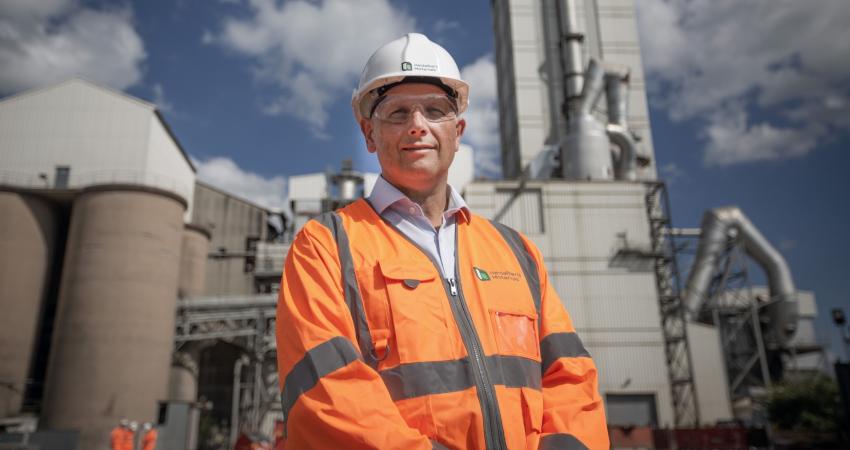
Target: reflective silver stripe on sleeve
x=440, y=377
x=319, y=361
x=351, y=290
x=560, y=345
x=526, y=261
x=561, y=441
x=438, y=446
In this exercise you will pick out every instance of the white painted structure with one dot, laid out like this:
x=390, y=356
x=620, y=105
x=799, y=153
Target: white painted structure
x=579, y=227
x=527, y=109
x=77, y=134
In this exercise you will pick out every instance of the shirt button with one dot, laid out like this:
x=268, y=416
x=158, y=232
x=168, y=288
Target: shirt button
x=412, y=210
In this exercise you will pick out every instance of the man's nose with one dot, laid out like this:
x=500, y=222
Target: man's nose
x=418, y=124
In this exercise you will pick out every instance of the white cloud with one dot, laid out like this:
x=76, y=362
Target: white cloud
x=732, y=139
x=159, y=99
x=224, y=174
x=705, y=57
x=671, y=172
x=43, y=42
x=482, y=117
x=312, y=50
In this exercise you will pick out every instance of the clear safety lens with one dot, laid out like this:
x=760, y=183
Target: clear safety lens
x=398, y=109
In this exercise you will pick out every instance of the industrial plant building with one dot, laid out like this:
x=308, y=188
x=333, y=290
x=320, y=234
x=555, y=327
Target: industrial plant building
x=132, y=290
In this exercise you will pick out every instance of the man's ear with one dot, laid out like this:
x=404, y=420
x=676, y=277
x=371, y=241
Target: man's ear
x=366, y=128
x=460, y=127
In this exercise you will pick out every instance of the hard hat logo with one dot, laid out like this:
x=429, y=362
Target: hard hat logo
x=406, y=66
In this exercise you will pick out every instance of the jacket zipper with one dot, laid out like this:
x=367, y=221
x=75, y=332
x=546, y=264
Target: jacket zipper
x=495, y=436
x=494, y=432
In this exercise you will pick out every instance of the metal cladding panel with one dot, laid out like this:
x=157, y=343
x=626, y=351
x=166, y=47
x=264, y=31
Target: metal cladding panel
x=635, y=369
x=709, y=373
x=232, y=222
x=101, y=136
x=167, y=167
x=27, y=238
x=114, y=327
x=308, y=187
x=609, y=301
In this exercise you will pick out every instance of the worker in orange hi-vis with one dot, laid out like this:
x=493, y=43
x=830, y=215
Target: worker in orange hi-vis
x=407, y=321
x=122, y=436
x=149, y=435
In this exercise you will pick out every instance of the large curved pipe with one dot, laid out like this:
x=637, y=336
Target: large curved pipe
x=717, y=225
x=617, y=94
x=626, y=168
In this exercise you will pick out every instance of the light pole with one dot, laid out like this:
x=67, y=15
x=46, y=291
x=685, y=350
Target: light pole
x=840, y=320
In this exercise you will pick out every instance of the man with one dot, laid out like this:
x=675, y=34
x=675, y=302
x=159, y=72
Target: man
x=122, y=436
x=149, y=435
x=407, y=322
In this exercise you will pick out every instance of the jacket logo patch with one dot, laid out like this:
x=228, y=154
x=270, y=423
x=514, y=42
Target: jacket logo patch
x=481, y=274
x=506, y=275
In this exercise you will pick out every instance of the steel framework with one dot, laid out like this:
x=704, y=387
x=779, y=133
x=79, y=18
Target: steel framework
x=673, y=317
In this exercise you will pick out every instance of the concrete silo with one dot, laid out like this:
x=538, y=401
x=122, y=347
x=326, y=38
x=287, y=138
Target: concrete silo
x=114, y=328
x=183, y=379
x=27, y=243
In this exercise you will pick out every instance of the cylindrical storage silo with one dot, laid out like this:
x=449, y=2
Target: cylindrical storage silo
x=183, y=380
x=114, y=326
x=193, y=261
x=27, y=236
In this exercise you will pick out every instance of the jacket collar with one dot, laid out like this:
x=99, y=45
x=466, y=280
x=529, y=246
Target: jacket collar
x=385, y=195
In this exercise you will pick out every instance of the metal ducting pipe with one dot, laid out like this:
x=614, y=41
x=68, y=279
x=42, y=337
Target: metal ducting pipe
x=585, y=150
x=571, y=50
x=617, y=94
x=593, y=86
x=717, y=226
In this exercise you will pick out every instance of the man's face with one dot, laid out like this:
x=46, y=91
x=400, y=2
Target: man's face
x=415, y=154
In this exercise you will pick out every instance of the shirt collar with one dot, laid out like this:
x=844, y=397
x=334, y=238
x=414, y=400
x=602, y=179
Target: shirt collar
x=384, y=195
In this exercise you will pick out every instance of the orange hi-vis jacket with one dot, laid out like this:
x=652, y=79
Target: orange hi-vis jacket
x=122, y=438
x=377, y=351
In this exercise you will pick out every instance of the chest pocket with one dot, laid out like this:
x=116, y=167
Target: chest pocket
x=418, y=310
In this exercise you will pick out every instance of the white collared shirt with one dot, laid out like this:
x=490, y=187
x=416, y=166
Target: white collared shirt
x=409, y=218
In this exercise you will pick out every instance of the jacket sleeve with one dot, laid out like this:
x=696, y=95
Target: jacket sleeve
x=573, y=410
x=331, y=398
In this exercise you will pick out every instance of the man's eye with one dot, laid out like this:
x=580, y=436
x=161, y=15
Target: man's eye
x=399, y=113
x=435, y=111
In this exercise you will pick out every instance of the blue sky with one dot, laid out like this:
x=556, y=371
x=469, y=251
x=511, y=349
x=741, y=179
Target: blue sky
x=749, y=101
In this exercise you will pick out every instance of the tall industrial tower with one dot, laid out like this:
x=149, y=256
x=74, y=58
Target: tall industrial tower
x=580, y=181
x=530, y=35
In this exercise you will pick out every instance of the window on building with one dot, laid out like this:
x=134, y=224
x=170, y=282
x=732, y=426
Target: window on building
x=631, y=410
x=63, y=173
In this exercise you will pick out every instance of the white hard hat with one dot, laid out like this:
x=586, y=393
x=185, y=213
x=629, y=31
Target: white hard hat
x=412, y=55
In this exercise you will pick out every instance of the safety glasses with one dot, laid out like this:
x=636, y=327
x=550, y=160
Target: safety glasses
x=398, y=109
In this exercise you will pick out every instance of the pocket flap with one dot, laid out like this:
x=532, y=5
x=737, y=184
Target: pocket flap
x=403, y=269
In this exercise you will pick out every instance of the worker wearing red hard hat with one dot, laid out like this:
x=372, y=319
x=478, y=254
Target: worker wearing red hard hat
x=405, y=321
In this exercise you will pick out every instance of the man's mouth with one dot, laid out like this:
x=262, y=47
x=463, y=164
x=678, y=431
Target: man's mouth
x=415, y=147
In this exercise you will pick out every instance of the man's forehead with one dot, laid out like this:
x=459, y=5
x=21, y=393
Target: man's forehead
x=415, y=88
